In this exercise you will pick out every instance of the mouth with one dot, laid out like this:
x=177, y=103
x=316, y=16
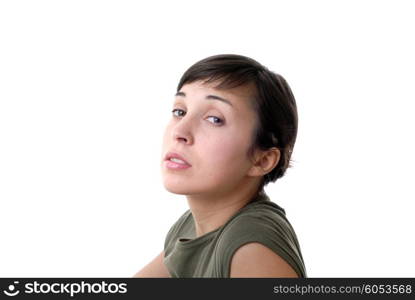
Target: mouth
x=176, y=160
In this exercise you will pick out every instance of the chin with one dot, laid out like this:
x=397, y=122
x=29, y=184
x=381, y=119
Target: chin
x=176, y=186
x=183, y=187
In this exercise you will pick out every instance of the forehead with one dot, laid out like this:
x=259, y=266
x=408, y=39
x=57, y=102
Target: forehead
x=241, y=96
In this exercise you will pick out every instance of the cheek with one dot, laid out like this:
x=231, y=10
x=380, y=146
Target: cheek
x=225, y=154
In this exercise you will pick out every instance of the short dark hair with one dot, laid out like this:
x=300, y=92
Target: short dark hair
x=274, y=103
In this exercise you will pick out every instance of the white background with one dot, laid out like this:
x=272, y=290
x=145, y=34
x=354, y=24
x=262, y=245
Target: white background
x=86, y=89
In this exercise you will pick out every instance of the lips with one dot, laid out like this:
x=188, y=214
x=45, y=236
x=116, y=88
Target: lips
x=176, y=155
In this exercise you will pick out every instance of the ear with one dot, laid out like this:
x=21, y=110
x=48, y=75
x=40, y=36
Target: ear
x=264, y=162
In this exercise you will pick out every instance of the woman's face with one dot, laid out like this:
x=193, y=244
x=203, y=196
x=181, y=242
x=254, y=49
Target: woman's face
x=212, y=135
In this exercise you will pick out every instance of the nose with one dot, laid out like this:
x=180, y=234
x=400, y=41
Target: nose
x=182, y=137
x=182, y=132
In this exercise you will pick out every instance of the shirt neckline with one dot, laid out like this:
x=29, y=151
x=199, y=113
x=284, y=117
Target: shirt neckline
x=190, y=242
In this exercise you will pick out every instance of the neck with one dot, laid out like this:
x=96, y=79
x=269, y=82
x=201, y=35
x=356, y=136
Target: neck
x=212, y=211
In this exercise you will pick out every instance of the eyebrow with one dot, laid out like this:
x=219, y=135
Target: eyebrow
x=208, y=97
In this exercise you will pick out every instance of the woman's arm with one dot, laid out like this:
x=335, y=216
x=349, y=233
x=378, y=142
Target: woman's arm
x=257, y=260
x=155, y=268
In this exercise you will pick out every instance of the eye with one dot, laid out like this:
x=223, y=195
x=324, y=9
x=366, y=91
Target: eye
x=216, y=119
x=174, y=110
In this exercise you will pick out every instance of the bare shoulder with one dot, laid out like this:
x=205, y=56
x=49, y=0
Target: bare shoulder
x=257, y=260
x=155, y=268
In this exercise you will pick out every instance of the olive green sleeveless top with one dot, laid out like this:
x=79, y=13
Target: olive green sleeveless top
x=209, y=255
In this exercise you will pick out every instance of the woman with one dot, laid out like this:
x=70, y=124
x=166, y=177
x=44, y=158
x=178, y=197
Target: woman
x=232, y=131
